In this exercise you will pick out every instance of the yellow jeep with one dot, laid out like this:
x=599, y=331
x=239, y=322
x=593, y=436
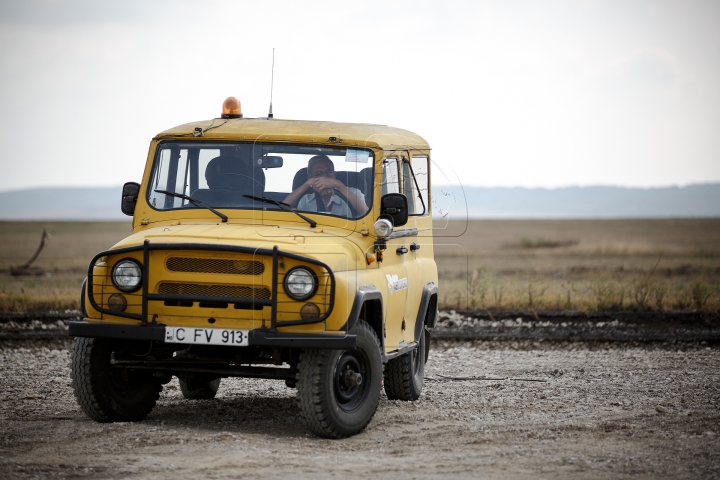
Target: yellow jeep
x=266, y=248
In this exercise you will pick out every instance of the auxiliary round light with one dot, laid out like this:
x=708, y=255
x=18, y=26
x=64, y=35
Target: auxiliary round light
x=300, y=283
x=127, y=275
x=383, y=227
x=231, y=108
x=310, y=311
x=117, y=302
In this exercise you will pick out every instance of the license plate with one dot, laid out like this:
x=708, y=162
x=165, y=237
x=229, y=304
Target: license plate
x=206, y=336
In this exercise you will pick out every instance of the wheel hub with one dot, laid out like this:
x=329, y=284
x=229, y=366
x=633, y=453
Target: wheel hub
x=350, y=382
x=352, y=378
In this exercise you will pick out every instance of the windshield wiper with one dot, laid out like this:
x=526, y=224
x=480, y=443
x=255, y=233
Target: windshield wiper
x=194, y=202
x=283, y=206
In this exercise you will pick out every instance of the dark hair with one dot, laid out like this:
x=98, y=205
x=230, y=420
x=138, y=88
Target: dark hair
x=318, y=159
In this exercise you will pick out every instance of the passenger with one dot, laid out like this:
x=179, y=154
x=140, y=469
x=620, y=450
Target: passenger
x=321, y=179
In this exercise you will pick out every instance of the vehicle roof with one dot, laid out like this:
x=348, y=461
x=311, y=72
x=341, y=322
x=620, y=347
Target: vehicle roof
x=301, y=131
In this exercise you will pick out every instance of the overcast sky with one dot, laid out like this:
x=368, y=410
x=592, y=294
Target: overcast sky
x=508, y=93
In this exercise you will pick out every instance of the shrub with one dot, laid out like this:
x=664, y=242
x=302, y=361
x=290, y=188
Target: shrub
x=648, y=293
x=700, y=293
x=609, y=294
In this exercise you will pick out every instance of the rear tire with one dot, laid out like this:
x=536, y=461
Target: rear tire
x=405, y=375
x=106, y=393
x=199, y=388
x=338, y=391
x=426, y=334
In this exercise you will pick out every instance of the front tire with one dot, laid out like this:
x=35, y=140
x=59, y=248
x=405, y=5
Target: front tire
x=338, y=391
x=199, y=388
x=108, y=394
x=405, y=375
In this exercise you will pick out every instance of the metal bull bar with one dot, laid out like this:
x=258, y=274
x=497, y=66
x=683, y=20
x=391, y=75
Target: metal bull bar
x=275, y=253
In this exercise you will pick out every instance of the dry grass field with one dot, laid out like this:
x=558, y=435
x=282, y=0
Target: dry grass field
x=659, y=264
x=483, y=264
x=64, y=261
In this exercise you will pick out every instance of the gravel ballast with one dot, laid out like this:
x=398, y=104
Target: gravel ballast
x=634, y=327
x=510, y=409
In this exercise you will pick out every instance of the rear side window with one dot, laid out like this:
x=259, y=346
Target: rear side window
x=415, y=184
x=390, y=178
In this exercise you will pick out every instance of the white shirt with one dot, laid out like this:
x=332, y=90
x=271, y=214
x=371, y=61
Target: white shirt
x=337, y=205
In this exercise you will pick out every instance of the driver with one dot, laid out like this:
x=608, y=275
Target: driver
x=321, y=179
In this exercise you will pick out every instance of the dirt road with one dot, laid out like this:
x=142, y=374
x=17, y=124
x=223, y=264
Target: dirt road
x=563, y=410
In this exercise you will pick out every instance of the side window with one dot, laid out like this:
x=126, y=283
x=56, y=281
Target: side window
x=415, y=184
x=390, y=178
x=171, y=175
x=181, y=180
x=407, y=182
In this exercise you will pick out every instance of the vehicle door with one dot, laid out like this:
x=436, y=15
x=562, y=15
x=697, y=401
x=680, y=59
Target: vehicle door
x=418, y=260
x=395, y=288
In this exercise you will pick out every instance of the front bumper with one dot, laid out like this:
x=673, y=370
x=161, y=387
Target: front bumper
x=257, y=337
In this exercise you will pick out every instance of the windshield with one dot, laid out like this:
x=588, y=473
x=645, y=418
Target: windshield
x=336, y=181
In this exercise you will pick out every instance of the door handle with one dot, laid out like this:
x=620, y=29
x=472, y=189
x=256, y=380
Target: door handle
x=401, y=250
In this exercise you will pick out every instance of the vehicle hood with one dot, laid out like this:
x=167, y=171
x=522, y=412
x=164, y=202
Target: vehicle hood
x=323, y=245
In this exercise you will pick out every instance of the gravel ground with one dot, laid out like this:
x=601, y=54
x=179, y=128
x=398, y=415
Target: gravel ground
x=491, y=409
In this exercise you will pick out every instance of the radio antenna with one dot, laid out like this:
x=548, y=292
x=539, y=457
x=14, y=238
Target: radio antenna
x=272, y=79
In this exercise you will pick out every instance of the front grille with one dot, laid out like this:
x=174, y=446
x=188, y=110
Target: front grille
x=260, y=293
x=244, y=280
x=215, y=265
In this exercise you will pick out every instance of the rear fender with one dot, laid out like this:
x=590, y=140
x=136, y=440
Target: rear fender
x=427, y=313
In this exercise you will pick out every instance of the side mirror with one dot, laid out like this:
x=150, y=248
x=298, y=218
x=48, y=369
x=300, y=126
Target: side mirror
x=395, y=206
x=130, y=193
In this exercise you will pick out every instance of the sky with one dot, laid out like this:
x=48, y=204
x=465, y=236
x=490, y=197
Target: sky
x=508, y=93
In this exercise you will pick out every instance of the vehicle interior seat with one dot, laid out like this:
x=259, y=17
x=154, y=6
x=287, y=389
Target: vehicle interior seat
x=228, y=179
x=368, y=181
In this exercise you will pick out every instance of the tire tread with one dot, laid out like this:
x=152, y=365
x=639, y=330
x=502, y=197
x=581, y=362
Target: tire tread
x=202, y=391
x=398, y=377
x=312, y=389
x=87, y=363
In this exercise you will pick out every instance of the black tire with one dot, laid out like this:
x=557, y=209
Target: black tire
x=334, y=402
x=108, y=394
x=427, y=344
x=405, y=375
x=199, y=388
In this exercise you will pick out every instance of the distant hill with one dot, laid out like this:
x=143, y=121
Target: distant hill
x=591, y=202
x=70, y=203
x=77, y=203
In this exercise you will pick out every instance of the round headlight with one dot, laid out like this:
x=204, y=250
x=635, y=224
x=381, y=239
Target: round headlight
x=300, y=283
x=127, y=275
x=309, y=311
x=117, y=302
x=383, y=227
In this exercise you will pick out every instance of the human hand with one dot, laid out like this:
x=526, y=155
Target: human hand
x=325, y=185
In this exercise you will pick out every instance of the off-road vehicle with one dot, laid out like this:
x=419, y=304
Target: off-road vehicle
x=236, y=267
